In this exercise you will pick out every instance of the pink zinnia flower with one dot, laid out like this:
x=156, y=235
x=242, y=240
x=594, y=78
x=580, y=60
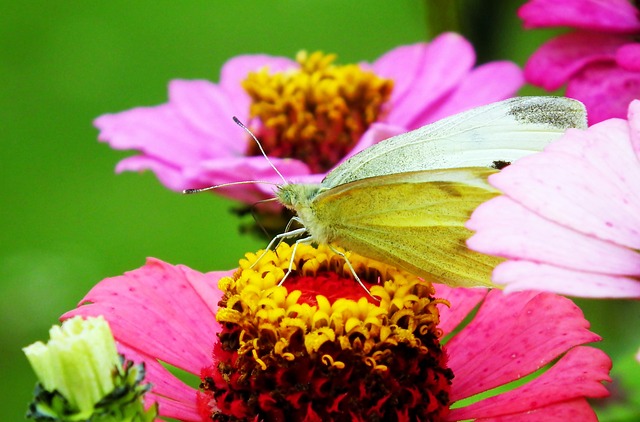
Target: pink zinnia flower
x=307, y=113
x=599, y=63
x=569, y=219
x=262, y=351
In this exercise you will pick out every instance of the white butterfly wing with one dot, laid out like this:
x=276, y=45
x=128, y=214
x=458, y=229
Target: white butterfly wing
x=502, y=131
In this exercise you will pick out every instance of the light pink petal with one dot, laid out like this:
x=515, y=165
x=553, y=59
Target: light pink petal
x=169, y=174
x=207, y=110
x=634, y=126
x=560, y=58
x=146, y=310
x=157, y=131
x=525, y=275
x=512, y=336
x=598, y=15
x=175, y=398
x=462, y=301
x=485, y=84
x=507, y=229
x=587, y=180
x=577, y=374
x=570, y=410
x=423, y=74
x=605, y=89
x=232, y=169
x=628, y=57
x=235, y=70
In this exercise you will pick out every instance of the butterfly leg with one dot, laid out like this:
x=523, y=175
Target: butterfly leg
x=293, y=255
x=279, y=238
x=353, y=271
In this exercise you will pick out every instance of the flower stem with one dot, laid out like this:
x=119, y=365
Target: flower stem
x=441, y=16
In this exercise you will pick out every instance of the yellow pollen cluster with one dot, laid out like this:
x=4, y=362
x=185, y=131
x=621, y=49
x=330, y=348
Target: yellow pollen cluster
x=315, y=113
x=276, y=325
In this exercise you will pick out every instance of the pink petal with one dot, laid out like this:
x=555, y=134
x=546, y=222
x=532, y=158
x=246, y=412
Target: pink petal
x=157, y=131
x=628, y=57
x=512, y=336
x=605, y=89
x=235, y=70
x=206, y=109
x=423, y=74
x=169, y=175
x=598, y=15
x=462, y=301
x=634, y=125
x=146, y=311
x=525, y=275
x=579, y=373
x=560, y=58
x=586, y=181
x=175, y=398
x=524, y=235
x=485, y=84
x=570, y=410
x=234, y=169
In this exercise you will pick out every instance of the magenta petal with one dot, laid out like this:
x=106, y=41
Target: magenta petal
x=598, y=15
x=628, y=57
x=485, y=84
x=586, y=181
x=512, y=336
x=606, y=90
x=522, y=234
x=462, y=301
x=377, y=132
x=422, y=74
x=560, y=58
x=146, y=311
x=579, y=373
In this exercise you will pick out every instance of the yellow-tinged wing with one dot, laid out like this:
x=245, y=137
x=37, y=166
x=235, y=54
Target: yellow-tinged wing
x=413, y=220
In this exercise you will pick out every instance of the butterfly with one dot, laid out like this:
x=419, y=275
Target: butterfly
x=405, y=200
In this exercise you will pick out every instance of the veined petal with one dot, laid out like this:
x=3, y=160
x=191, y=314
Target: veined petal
x=207, y=110
x=606, y=89
x=525, y=235
x=162, y=292
x=463, y=301
x=541, y=327
x=561, y=58
x=579, y=373
x=586, y=181
x=487, y=83
x=597, y=15
x=423, y=73
x=526, y=275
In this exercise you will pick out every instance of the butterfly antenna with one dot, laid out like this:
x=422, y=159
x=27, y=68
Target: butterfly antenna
x=264, y=154
x=254, y=214
x=224, y=185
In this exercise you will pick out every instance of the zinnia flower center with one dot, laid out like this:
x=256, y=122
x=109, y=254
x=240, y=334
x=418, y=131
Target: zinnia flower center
x=319, y=348
x=316, y=113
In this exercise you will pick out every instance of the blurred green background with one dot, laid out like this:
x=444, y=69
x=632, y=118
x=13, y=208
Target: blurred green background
x=69, y=221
